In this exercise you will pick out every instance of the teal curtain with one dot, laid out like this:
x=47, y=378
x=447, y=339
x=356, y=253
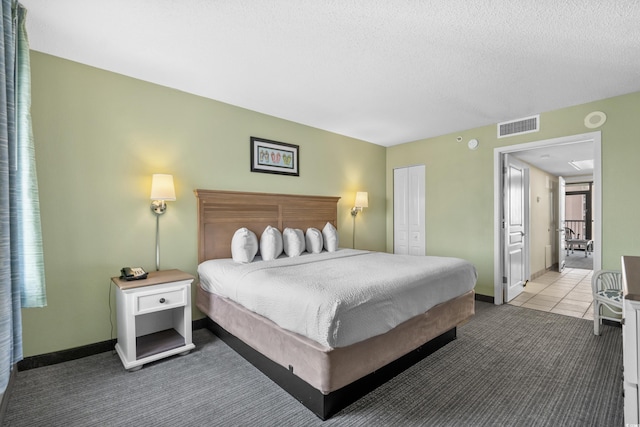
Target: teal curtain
x=28, y=262
x=21, y=258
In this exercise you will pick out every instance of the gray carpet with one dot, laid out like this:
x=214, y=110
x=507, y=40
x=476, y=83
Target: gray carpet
x=578, y=260
x=509, y=366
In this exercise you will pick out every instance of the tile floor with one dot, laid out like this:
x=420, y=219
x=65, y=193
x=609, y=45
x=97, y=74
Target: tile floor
x=567, y=293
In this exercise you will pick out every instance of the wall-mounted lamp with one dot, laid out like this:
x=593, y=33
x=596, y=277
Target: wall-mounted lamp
x=162, y=190
x=362, y=201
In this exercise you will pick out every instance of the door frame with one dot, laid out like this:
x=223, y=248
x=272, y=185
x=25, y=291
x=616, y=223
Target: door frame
x=596, y=137
x=560, y=222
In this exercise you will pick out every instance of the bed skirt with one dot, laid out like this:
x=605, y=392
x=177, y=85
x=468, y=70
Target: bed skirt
x=324, y=371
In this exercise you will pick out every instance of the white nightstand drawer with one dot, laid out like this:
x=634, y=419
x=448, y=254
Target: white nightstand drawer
x=148, y=303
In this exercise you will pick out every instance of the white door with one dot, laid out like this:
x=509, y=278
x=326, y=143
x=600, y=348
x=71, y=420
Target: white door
x=409, y=210
x=400, y=211
x=561, y=223
x=514, y=273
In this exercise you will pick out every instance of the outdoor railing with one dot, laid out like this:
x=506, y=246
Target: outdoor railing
x=578, y=227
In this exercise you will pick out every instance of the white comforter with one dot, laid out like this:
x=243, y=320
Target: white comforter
x=342, y=297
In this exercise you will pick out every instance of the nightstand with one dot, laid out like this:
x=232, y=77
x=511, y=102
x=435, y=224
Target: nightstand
x=154, y=317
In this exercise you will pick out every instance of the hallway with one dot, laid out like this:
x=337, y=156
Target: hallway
x=567, y=293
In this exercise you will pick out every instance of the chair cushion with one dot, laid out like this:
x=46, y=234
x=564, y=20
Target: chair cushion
x=611, y=294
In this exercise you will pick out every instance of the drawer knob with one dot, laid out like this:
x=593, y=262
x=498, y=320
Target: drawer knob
x=162, y=300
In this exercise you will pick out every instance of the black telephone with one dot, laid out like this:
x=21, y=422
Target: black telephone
x=133, y=273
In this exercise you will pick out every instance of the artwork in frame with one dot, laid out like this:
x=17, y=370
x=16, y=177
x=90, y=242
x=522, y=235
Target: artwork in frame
x=274, y=157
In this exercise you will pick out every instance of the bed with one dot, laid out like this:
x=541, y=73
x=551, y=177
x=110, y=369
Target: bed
x=323, y=375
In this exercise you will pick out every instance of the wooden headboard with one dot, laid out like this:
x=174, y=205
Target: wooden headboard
x=221, y=213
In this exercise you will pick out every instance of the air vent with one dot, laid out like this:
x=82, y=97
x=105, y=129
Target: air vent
x=519, y=126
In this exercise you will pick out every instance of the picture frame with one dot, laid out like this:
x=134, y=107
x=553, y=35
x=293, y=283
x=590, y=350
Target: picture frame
x=274, y=157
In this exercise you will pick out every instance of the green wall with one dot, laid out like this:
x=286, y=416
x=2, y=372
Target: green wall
x=459, y=183
x=99, y=138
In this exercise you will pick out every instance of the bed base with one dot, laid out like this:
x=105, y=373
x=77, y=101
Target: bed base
x=327, y=405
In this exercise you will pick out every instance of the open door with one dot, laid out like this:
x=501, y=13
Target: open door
x=561, y=246
x=499, y=230
x=514, y=220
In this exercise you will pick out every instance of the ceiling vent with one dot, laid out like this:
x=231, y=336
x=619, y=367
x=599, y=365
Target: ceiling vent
x=519, y=126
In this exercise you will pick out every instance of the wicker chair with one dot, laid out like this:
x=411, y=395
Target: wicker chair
x=607, y=292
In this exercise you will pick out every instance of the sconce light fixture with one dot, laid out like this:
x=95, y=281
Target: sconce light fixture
x=162, y=190
x=362, y=201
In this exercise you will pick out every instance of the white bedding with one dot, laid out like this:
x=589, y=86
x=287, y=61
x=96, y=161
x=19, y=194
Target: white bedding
x=343, y=297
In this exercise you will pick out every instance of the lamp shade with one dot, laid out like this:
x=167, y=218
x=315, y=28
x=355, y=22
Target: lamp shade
x=162, y=187
x=362, y=199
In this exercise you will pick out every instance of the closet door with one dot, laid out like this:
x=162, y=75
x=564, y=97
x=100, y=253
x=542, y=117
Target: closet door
x=400, y=211
x=408, y=210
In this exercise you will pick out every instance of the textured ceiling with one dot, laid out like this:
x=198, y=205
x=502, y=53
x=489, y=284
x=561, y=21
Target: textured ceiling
x=386, y=72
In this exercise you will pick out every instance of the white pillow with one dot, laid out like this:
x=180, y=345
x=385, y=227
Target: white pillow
x=244, y=245
x=330, y=235
x=293, y=239
x=313, y=239
x=270, y=243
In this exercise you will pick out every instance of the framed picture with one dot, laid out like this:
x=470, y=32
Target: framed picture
x=274, y=157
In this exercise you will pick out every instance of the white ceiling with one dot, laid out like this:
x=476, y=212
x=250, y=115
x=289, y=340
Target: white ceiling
x=555, y=159
x=386, y=72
